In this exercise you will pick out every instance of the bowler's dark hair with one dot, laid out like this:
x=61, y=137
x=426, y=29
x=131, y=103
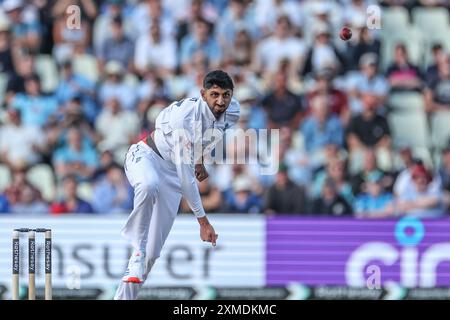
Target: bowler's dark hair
x=218, y=78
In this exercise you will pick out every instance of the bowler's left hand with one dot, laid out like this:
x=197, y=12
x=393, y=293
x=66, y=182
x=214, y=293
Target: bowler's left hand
x=207, y=232
x=200, y=172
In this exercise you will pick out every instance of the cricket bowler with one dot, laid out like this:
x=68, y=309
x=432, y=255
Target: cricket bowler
x=161, y=169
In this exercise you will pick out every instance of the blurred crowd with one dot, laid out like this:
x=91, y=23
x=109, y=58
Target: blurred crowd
x=79, y=84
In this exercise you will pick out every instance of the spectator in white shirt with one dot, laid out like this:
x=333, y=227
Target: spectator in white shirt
x=20, y=145
x=423, y=198
x=280, y=46
x=154, y=51
x=149, y=12
x=267, y=12
x=117, y=127
x=404, y=184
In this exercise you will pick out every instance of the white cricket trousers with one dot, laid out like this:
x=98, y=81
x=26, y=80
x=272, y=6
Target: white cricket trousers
x=157, y=196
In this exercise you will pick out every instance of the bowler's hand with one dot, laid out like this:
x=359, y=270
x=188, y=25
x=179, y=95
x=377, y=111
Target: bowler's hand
x=207, y=232
x=200, y=172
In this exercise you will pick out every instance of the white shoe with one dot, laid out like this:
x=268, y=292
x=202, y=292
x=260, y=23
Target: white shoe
x=135, y=269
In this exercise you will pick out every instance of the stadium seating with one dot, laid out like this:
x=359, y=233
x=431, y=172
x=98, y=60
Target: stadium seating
x=85, y=191
x=401, y=124
x=47, y=70
x=406, y=101
x=412, y=37
x=5, y=177
x=394, y=18
x=431, y=20
x=418, y=153
x=418, y=28
x=437, y=158
x=435, y=23
x=41, y=176
x=440, y=125
x=424, y=155
x=442, y=37
x=86, y=65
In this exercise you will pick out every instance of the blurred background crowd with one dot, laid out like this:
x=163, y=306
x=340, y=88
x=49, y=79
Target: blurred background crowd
x=364, y=124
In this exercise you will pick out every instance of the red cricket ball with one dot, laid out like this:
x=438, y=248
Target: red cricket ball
x=345, y=34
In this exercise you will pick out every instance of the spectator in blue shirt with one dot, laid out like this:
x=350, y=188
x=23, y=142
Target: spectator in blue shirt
x=115, y=87
x=25, y=28
x=74, y=85
x=367, y=80
x=77, y=158
x=251, y=107
x=29, y=202
x=200, y=42
x=34, y=107
x=321, y=128
x=375, y=201
x=118, y=47
x=236, y=17
x=241, y=198
x=112, y=193
x=4, y=205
